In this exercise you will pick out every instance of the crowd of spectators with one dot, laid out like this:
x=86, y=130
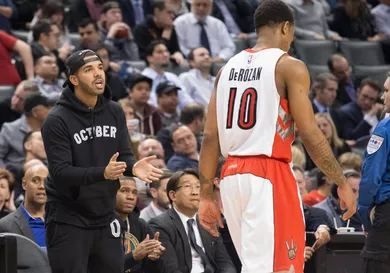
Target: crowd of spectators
x=161, y=58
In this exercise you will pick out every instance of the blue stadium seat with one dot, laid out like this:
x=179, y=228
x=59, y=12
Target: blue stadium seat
x=362, y=52
x=314, y=52
x=6, y=91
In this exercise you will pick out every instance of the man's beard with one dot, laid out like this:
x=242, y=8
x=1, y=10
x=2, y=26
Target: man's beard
x=162, y=204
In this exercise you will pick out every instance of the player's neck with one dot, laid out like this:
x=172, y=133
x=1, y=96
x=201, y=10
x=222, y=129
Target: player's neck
x=34, y=209
x=267, y=39
x=87, y=99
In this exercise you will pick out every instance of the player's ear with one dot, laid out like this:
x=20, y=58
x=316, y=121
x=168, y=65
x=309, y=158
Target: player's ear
x=285, y=27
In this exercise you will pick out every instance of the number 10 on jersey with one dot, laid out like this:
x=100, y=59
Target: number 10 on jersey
x=247, y=109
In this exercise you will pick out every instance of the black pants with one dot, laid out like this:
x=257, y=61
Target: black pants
x=376, y=252
x=73, y=249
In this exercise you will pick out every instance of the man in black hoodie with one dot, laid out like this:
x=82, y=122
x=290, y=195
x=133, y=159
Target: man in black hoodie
x=87, y=147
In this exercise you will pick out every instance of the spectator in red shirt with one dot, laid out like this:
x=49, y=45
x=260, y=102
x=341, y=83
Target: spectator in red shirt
x=321, y=193
x=9, y=75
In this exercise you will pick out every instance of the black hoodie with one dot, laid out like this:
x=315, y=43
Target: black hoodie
x=77, y=192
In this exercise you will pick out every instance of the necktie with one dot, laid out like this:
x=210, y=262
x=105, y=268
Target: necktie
x=197, y=248
x=204, y=40
x=138, y=12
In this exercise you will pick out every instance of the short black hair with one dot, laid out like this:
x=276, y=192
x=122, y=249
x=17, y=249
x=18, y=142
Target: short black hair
x=86, y=21
x=272, y=13
x=174, y=181
x=157, y=184
x=191, y=56
x=99, y=46
x=26, y=138
x=42, y=26
x=150, y=48
x=158, y=4
x=191, y=112
x=321, y=179
x=371, y=83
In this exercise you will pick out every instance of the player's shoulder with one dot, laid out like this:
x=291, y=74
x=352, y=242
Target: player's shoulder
x=383, y=127
x=289, y=65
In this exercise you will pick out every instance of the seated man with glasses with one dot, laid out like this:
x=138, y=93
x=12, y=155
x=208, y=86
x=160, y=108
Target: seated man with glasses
x=189, y=248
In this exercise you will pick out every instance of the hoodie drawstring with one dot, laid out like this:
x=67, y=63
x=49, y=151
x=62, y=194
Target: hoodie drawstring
x=93, y=123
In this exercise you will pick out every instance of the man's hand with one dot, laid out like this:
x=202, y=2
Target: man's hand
x=322, y=237
x=65, y=51
x=116, y=27
x=145, y=248
x=375, y=109
x=156, y=253
x=308, y=253
x=347, y=200
x=114, y=169
x=145, y=171
x=178, y=57
x=209, y=215
x=337, y=38
x=319, y=37
x=243, y=36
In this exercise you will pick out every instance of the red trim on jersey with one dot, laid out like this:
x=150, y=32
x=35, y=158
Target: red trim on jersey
x=250, y=50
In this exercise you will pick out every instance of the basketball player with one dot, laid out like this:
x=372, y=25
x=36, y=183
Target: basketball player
x=88, y=149
x=257, y=97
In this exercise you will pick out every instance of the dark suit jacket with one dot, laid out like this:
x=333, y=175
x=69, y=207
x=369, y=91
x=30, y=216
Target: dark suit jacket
x=177, y=256
x=241, y=12
x=128, y=11
x=351, y=116
x=16, y=222
x=335, y=117
x=342, y=96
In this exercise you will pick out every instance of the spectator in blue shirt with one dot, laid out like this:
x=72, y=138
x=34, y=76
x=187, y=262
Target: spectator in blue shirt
x=28, y=219
x=7, y=11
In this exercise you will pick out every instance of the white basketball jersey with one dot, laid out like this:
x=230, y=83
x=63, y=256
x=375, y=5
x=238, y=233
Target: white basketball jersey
x=252, y=118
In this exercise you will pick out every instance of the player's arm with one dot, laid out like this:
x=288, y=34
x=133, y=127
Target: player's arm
x=297, y=81
x=210, y=150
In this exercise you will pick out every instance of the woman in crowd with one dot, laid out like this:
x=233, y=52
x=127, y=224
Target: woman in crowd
x=6, y=192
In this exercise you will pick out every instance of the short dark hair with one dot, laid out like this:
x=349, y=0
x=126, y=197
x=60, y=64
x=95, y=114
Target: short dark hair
x=191, y=112
x=272, y=13
x=191, y=56
x=321, y=179
x=157, y=184
x=174, y=181
x=297, y=168
x=42, y=26
x=52, y=7
x=99, y=46
x=150, y=48
x=26, y=138
x=87, y=21
x=371, y=83
x=321, y=80
x=158, y=4
x=7, y=175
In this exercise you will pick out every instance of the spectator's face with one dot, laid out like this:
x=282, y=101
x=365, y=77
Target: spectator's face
x=4, y=191
x=126, y=197
x=34, y=184
x=57, y=18
x=160, y=194
x=186, y=198
x=385, y=97
x=160, y=56
x=165, y=17
x=366, y=97
x=90, y=78
x=301, y=182
x=354, y=182
x=325, y=127
x=89, y=35
x=202, y=59
x=35, y=146
x=103, y=53
x=140, y=93
x=341, y=70
x=184, y=141
x=201, y=8
x=168, y=101
x=47, y=68
x=150, y=146
x=328, y=94
x=52, y=39
x=112, y=16
x=129, y=112
x=18, y=98
x=158, y=163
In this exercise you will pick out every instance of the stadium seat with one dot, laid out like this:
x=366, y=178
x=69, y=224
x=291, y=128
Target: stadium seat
x=20, y=34
x=74, y=39
x=315, y=70
x=362, y=52
x=252, y=39
x=216, y=67
x=240, y=44
x=314, y=52
x=30, y=257
x=177, y=69
x=140, y=65
x=6, y=91
x=378, y=73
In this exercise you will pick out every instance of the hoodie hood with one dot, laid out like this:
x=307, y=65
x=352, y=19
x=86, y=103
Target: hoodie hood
x=69, y=100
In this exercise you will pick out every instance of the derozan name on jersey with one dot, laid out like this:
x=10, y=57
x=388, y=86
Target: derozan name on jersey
x=99, y=131
x=250, y=74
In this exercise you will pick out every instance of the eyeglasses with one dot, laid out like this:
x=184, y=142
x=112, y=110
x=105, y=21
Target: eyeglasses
x=188, y=187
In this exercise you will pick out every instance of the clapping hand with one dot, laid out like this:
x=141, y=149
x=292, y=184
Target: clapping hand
x=157, y=252
x=145, y=171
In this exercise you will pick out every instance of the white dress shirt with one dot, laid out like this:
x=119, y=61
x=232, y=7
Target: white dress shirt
x=188, y=35
x=197, y=265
